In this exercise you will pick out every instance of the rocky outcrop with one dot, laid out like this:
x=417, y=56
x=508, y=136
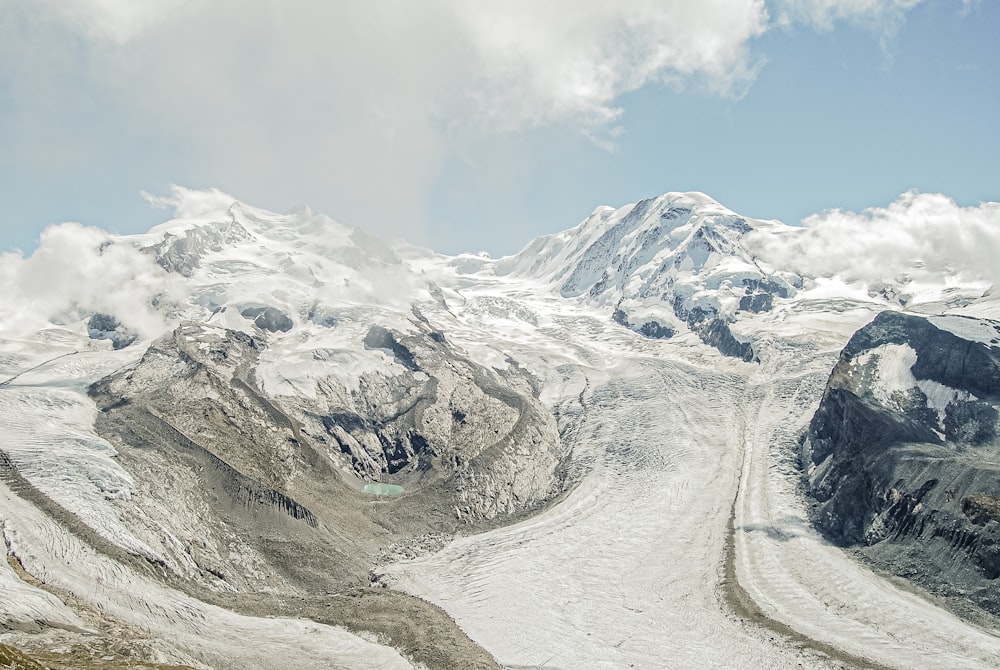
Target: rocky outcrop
x=674, y=264
x=243, y=491
x=182, y=251
x=442, y=420
x=106, y=327
x=903, y=456
x=268, y=318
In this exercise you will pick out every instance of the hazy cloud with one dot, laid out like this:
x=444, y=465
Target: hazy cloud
x=919, y=237
x=884, y=14
x=353, y=107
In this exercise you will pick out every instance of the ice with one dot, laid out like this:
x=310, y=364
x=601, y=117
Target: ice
x=627, y=570
x=216, y=637
x=969, y=328
x=27, y=607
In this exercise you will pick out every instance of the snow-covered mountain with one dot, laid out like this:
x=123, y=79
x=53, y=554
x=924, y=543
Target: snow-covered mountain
x=245, y=437
x=672, y=264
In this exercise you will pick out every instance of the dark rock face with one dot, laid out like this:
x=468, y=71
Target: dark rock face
x=270, y=319
x=981, y=509
x=756, y=302
x=651, y=329
x=380, y=338
x=903, y=455
x=107, y=327
x=760, y=294
x=716, y=333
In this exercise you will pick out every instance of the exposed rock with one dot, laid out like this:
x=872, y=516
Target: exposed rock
x=981, y=509
x=270, y=319
x=107, y=327
x=244, y=492
x=716, y=333
x=652, y=329
x=902, y=454
x=182, y=253
x=756, y=302
x=655, y=330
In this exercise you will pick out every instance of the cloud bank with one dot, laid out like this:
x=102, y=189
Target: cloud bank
x=921, y=237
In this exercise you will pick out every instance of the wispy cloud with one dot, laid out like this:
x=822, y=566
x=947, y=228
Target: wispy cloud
x=881, y=14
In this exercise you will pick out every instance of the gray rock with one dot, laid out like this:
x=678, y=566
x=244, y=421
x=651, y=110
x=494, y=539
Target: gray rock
x=913, y=485
x=107, y=327
x=270, y=319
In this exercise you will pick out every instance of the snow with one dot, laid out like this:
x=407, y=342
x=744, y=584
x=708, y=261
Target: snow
x=25, y=606
x=625, y=572
x=49, y=437
x=969, y=328
x=891, y=367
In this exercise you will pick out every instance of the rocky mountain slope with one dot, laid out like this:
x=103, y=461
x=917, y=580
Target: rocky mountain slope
x=904, y=451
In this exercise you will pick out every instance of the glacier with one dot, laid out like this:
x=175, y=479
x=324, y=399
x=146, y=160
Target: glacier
x=598, y=441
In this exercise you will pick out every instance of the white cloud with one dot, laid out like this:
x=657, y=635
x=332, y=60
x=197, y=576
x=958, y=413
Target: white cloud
x=921, y=237
x=190, y=203
x=77, y=271
x=352, y=106
x=520, y=61
x=571, y=60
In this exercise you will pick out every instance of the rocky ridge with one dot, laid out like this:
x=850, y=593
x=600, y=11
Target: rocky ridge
x=903, y=453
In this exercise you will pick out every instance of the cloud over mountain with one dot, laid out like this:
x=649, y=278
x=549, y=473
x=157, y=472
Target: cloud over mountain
x=919, y=237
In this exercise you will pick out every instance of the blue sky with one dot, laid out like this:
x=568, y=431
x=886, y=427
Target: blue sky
x=467, y=129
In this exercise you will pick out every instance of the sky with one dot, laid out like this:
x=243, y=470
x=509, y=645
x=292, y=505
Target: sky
x=471, y=126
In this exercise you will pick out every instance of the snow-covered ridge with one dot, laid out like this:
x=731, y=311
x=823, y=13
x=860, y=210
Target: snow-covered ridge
x=683, y=262
x=677, y=263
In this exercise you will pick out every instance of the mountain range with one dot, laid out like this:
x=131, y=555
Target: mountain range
x=658, y=439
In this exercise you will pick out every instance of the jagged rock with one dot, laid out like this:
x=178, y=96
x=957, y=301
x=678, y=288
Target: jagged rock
x=716, y=333
x=901, y=453
x=270, y=319
x=228, y=471
x=444, y=418
x=756, y=302
x=981, y=509
x=182, y=252
x=107, y=327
